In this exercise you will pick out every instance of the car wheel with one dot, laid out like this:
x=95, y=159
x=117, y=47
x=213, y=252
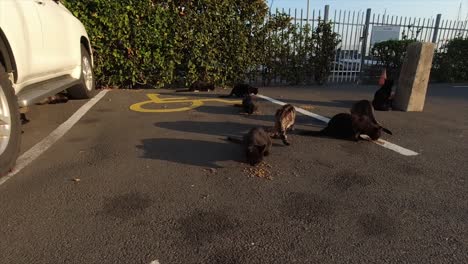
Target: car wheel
x=10, y=126
x=85, y=89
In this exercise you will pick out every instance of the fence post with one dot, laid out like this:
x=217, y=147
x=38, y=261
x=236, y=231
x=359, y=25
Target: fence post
x=326, y=14
x=365, y=38
x=436, y=28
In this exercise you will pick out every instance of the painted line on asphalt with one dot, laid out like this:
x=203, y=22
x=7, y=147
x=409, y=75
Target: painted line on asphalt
x=194, y=103
x=33, y=153
x=401, y=150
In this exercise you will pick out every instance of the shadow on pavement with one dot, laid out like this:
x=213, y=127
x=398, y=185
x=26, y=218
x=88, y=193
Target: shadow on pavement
x=221, y=129
x=333, y=103
x=191, y=152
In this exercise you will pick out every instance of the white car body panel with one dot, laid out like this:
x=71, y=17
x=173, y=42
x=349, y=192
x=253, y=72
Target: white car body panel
x=45, y=39
x=20, y=31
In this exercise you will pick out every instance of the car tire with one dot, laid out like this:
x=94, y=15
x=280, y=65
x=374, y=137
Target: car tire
x=10, y=126
x=87, y=85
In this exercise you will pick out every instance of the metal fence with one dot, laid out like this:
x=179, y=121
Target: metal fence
x=356, y=29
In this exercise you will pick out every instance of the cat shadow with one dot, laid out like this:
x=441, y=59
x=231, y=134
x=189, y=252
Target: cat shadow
x=207, y=128
x=333, y=103
x=210, y=95
x=261, y=115
x=191, y=152
x=221, y=129
x=301, y=120
x=219, y=109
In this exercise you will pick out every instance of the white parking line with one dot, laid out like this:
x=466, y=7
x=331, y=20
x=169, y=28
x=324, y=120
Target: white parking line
x=380, y=142
x=33, y=153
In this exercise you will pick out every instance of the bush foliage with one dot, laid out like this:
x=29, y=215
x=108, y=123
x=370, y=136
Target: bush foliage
x=451, y=61
x=391, y=55
x=166, y=42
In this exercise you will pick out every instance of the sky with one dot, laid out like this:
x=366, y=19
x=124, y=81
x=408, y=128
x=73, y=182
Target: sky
x=411, y=8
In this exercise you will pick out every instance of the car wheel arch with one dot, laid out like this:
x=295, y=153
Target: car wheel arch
x=85, y=42
x=6, y=56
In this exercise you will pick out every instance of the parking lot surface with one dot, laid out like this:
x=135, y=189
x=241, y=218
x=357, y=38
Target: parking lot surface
x=145, y=183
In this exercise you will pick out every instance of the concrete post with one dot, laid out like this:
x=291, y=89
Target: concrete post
x=414, y=77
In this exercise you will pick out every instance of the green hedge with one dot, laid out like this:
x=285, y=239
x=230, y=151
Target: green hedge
x=451, y=62
x=133, y=41
x=298, y=54
x=391, y=55
x=176, y=42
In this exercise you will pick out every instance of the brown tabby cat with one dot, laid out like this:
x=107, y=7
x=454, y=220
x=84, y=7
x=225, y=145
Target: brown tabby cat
x=285, y=119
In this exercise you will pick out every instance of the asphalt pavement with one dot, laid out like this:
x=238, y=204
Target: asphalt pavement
x=125, y=186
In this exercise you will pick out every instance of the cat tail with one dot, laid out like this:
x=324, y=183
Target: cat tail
x=235, y=140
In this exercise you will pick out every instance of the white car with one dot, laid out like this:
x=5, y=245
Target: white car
x=44, y=50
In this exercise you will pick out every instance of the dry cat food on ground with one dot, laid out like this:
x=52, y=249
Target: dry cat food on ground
x=260, y=171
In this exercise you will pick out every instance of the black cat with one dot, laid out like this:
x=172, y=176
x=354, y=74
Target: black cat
x=24, y=119
x=364, y=108
x=257, y=144
x=248, y=105
x=348, y=126
x=383, y=97
x=241, y=90
x=199, y=86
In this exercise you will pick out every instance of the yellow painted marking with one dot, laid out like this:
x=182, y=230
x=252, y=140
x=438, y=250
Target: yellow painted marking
x=194, y=103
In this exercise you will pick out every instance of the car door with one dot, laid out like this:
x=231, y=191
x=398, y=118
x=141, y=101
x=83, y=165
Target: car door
x=56, y=26
x=21, y=25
